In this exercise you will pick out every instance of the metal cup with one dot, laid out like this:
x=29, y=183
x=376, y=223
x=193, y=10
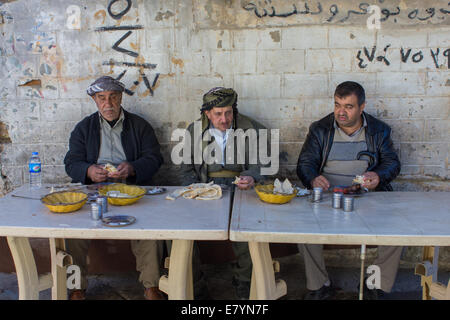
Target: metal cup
x=337, y=200
x=103, y=201
x=348, y=204
x=96, y=211
x=317, y=194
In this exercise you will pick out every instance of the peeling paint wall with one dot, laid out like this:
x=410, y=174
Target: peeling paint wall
x=284, y=58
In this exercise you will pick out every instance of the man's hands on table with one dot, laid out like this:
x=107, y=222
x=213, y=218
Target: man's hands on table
x=245, y=182
x=320, y=182
x=97, y=173
x=371, y=180
x=124, y=170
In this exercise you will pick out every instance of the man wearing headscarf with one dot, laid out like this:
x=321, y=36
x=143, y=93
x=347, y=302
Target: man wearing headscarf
x=115, y=136
x=218, y=114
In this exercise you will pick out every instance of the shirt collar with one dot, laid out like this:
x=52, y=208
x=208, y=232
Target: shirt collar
x=223, y=133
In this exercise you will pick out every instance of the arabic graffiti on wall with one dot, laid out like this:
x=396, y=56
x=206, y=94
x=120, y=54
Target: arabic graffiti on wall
x=143, y=67
x=439, y=55
x=336, y=14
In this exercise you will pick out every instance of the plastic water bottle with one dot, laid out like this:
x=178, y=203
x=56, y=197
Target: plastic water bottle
x=35, y=171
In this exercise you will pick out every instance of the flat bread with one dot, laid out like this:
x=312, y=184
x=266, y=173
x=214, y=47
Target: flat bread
x=287, y=187
x=198, y=191
x=214, y=193
x=110, y=168
x=282, y=188
x=359, y=180
x=177, y=193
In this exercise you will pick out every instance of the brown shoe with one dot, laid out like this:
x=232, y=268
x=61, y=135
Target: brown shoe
x=153, y=293
x=77, y=295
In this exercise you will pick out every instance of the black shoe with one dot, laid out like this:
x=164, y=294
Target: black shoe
x=241, y=288
x=324, y=293
x=371, y=294
x=202, y=293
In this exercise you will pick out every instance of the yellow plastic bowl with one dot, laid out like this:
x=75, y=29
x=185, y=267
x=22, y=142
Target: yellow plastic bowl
x=134, y=192
x=265, y=193
x=64, y=201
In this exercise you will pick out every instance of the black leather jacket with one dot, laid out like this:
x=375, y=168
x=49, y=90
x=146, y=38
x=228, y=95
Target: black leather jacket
x=318, y=143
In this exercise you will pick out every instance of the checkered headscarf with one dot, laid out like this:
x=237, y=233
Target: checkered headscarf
x=219, y=97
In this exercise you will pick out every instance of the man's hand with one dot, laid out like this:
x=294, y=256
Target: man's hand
x=245, y=182
x=124, y=170
x=320, y=182
x=371, y=180
x=97, y=173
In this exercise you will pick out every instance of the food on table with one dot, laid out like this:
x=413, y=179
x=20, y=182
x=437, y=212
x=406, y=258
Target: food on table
x=236, y=181
x=282, y=188
x=359, y=180
x=356, y=188
x=117, y=194
x=110, y=168
x=198, y=191
x=266, y=193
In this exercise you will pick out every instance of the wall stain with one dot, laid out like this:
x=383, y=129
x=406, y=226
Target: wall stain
x=45, y=69
x=164, y=15
x=182, y=125
x=4, y=135
x=32, y=83
x=135, y=46
x=178, y=62
x=101, y=14
x=275, y=36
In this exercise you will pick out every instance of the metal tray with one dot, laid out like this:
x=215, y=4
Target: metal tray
x=118, y=221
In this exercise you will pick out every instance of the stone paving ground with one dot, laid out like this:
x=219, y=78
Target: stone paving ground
x=125, y=286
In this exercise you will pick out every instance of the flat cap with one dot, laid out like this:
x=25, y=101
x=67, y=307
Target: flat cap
x=105, y=83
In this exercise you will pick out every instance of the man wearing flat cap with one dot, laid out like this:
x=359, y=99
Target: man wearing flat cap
x=118, y=137
x=219, y=113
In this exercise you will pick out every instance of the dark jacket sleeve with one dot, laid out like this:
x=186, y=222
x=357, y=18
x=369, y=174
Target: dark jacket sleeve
x=149, y=160
x=388, y=163
x=75, y=161
x=310, y=158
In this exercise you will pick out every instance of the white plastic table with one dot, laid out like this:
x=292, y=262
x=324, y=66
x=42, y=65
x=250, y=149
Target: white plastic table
x=379, y=218
x=182, y=221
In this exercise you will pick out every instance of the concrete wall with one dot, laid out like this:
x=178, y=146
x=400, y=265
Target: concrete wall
x=284, y=58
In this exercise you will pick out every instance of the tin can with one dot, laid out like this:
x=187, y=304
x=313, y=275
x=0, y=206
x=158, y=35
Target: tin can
x=96, y=211
x=348, y=204
x=103, y=201
x=317, y=194
x=337, y=200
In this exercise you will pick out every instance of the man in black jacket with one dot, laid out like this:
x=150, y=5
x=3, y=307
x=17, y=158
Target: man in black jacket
x=113, y=135
x=344, y=144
